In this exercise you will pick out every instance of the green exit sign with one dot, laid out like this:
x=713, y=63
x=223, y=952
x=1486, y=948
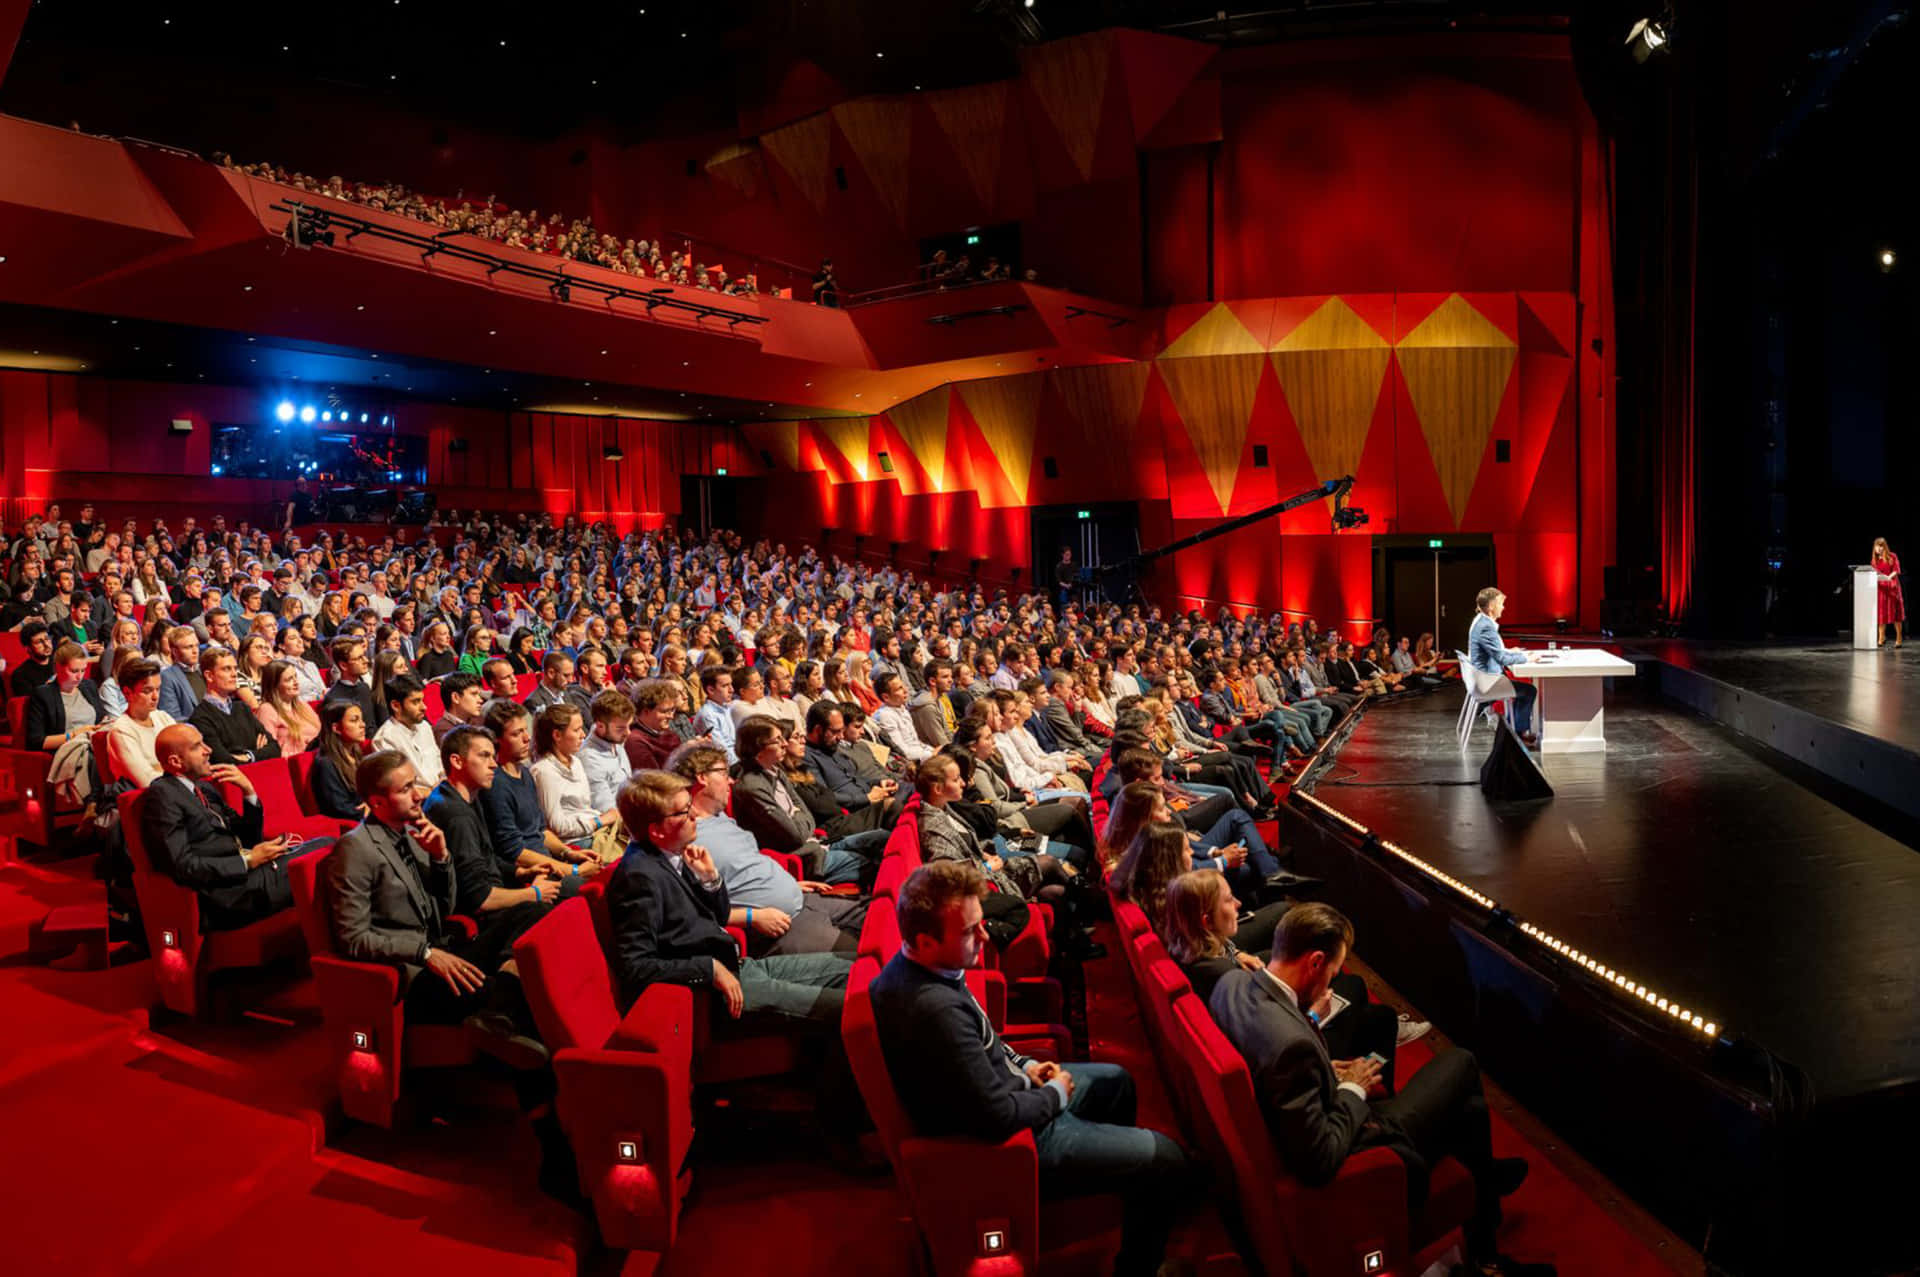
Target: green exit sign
x=1433, y=543
x=722, y=471
x=973, y=239
x=1085, y=514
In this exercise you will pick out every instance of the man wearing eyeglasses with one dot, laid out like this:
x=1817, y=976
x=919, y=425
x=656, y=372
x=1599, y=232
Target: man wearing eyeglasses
x=668, y=905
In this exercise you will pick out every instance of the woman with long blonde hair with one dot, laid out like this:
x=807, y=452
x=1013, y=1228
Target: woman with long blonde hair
x=1893, y=602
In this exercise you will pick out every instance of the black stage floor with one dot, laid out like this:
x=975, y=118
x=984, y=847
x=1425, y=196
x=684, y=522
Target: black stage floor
x=1702, y=864
x=1875, y=692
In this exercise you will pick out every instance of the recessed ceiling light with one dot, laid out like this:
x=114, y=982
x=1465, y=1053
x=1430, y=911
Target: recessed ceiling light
x=359, y=307
x=376, y=356
x=493, y=332
x=603, y=352
x=117, y=321
x=246, y=288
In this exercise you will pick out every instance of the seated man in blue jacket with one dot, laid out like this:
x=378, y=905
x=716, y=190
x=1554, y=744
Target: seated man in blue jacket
x=668, y=907
x=955, y=1076
x=1489, y=655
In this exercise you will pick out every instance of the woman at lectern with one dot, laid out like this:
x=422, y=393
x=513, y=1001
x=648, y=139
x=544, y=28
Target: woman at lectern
x=1893, y=604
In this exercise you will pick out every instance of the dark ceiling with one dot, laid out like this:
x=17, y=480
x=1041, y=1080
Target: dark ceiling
x=638, y=69
x=64, y=340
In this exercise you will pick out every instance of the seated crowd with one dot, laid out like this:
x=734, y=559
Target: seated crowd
x=662, y=713
x=574, y=240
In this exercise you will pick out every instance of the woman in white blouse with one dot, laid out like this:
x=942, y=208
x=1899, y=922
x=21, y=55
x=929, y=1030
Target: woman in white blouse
x=566, y=795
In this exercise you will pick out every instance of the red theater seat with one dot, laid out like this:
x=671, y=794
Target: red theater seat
x=625, y=1082
x=273, y=781
x=976, y=1205
x=1322, y=1232
x=721, y=1059
x=183, y=957
x=367, y=1034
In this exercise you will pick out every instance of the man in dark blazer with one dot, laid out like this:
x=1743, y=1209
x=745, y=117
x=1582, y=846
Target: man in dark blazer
x=229, y=727
x=668, y=906
x=392, y=884
x=955, y=1076
x=47, y=725
x=194, y=837
x=1316, y=1107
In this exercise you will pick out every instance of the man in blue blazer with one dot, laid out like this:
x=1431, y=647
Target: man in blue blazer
x=1487, y=654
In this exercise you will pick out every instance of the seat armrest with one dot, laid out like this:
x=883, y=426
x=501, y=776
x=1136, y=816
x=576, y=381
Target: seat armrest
x=961, y=1188
x=1363, y=1209
x=1041, y=1041
x=629, y=1118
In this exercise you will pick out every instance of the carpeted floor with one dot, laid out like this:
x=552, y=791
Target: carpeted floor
x=130, y=1148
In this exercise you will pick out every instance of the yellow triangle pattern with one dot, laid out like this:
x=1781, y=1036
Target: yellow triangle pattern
x=802, y=148
x=1455, y=323
x=778, y=439
x=880, y=132
x=738, y=166
x=1332, y=394
x=848, y=435
x=1007, y=410
x=1218, y=332
x=922, y=422
x=1070, y=79
x=1334, y=326
x=1103, y=398
x=1215, y=401
x=975, y=120
x=1456, y=363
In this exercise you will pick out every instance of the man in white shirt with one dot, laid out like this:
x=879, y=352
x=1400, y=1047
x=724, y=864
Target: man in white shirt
x=715, y=717
x=604, y=753
x=408, y=731
x=892, y=721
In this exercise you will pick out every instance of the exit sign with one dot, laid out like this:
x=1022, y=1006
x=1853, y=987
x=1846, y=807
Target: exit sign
x=973, y=239
x=722, y=472
x=1433, y=543
x=1084, y=514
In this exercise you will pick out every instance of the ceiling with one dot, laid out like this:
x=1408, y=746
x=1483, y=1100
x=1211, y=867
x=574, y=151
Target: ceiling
x=101, y=345
x=641, y=69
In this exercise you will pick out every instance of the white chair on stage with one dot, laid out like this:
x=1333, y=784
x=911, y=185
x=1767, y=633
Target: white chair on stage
x=1482, y=690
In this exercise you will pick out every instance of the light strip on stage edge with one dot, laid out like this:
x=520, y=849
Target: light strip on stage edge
x=1631, y=988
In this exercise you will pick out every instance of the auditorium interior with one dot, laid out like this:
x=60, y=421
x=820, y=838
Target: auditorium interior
x=1436, y=459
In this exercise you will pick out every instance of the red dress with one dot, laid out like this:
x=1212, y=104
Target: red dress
x=1893, y=604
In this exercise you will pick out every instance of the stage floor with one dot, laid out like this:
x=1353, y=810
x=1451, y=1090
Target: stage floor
x=1875, y=692
x=1684, y=855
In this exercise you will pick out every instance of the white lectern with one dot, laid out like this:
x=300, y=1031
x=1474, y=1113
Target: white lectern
x=1866, y=606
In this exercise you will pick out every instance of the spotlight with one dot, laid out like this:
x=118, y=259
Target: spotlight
x=363, y=418
x=216, y=468
x=612, y=452
x=307, y=414
x=285, y=411
x=1886, y=259
x=327, y=415
x=1648, y=37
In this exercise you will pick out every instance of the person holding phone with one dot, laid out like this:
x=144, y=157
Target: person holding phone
x=194, y=836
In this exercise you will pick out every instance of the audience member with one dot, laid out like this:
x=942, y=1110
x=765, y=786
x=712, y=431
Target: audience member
x=956, y=1077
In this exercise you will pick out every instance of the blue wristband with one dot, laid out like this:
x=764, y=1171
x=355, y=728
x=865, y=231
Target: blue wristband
x=749, y=915
x=576, y=871
x=536, y=893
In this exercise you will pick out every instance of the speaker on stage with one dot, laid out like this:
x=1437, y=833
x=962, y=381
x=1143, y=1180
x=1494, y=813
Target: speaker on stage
x=1510, y=772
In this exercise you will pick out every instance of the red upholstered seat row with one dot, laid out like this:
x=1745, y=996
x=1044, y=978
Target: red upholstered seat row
x=1329, y=1230
x=957, y=1189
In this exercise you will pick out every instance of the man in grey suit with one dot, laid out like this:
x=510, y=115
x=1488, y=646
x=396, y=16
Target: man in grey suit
x=1487, y=654
x=391, y=885
x=1316, y=1107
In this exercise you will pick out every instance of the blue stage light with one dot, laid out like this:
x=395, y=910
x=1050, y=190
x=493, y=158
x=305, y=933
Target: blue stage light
x=327, y=415
x=285, y=410
x=307, y=414
x=363, y=418
x=216, y=469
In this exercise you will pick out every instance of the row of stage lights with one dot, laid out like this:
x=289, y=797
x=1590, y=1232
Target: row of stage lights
x=307, y=414
x=1631, y=988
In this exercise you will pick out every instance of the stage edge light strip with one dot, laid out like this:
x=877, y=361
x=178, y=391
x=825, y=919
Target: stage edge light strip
x=1627, y=986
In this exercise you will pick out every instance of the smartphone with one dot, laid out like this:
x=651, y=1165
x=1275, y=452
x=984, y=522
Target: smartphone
x=1377, y=1058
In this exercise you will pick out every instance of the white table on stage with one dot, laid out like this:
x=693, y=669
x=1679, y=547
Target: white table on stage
x=1570, y=711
